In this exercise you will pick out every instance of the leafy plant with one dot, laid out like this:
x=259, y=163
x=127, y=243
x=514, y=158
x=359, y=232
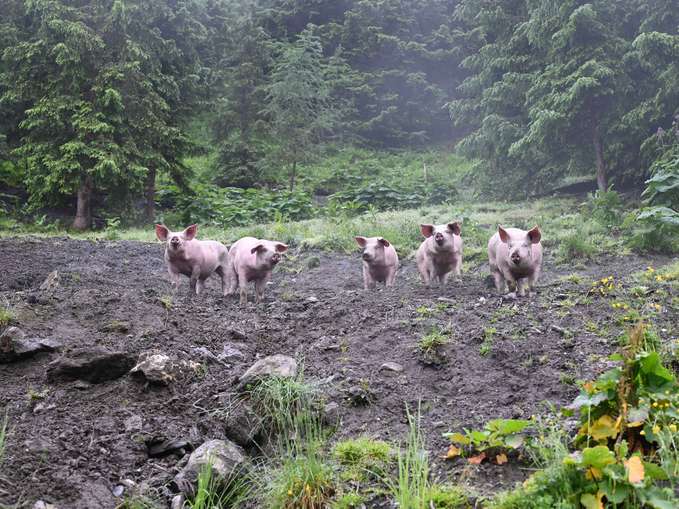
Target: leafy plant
x=497, y=437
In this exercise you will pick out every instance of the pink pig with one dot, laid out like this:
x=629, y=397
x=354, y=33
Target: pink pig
x=515, y=258
x=197, y=259
x=440, y=254
x=380, y=261
x=253, y=260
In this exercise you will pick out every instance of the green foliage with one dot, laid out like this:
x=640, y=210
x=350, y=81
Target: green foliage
x=213, y=492
x=606, y=207
x=497, y=435
x=362, y=458
x=3, y=438
x=447, y=497
x=233, y=206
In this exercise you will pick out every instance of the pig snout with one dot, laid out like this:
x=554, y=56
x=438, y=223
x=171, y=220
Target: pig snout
x=174, y=242
x=438, y=237
x=366, y=256
x=516, y=258
x=275, y=258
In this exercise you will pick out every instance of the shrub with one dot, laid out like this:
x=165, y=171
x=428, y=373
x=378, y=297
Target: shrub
x=606, y=207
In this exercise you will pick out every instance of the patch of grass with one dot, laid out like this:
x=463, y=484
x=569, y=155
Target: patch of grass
x=447, y=497
x=362, y=458
x=6, y=316
x=3, y=437
x=576, y=246
x=214, y=492
x=351, y=500
x=139, y=502
x=488, y=337
x=430, y=343
x=411, y=485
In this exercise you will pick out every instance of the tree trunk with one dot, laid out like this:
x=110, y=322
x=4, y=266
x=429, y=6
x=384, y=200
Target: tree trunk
x=293, y=175
x=150, y=195
x=601, y=176
x=83, y=213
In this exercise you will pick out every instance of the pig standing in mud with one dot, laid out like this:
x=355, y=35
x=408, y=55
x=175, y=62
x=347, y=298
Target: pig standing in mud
x=380, y=261
x=515, y=258
x=253, y=260
x=197, y=259
x=441, y=252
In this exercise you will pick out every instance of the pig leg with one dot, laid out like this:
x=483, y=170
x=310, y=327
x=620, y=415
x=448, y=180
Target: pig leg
x=425, y=272
x=174, y=278
x=368, y=281
x=511, y=283
x=391, y=277
x=532, y=280
x=193, y=280
x=260, y=286
x=521, y=286
x=232, y=277
x=243, y=284
x=223, y=272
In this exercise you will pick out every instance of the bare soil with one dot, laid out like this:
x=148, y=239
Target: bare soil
x=68, y=443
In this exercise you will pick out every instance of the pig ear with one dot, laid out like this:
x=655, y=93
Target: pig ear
x=162, y=232
x=454, y=227
x=190, y=232
x=534, y=235
x=361, y=241
x=258, y=248
x=281, y=248
x=383, y=241
x=427, y=229
x=504, y=236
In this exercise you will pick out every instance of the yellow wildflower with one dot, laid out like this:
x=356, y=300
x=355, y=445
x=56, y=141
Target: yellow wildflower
x=656, y=429
x=673, y=428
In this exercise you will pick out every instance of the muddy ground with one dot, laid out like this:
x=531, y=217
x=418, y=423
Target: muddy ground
x=68, y=442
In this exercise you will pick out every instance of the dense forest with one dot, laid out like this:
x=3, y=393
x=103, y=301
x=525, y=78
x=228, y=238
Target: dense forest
x=114, y=108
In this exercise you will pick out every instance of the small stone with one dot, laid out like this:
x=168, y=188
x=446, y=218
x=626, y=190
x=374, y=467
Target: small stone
x=205, y=354
x=50, y=282
x=82, y=385
x=160, y=368
x=392, y=366
x=231, y=352
x=312, y=299
x=178, y=502
x=41, y=504
x=242, y=424
x=161, y=448
x=15, y=346
x=331, y=414
x=118, y=490
x=227, y=460
x=133, y=424
x=42, y=407
x=94, y=365
x=116, y=326
x=281, y=366
x=128, y=483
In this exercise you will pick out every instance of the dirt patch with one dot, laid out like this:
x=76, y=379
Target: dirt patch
x=74, y=442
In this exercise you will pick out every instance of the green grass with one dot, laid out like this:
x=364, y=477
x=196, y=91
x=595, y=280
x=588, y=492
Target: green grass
x=3, y=438
x=410, y=487
x=212, y=492
x=362, y=458
x=559, y=224
x=488, y=338
x=6, y=316
x=431, y=342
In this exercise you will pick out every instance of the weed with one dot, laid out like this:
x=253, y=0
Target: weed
x=488, y=336
x=430, y=343
x=576, y=246
x=447, y=497
x=166, y=301
x=139, y=502
x=574, y=278
x=497, y=436
x=411, y=486
x=362, y=458
x=214, y=492
x=348, y=501
x=3, y=437
x=6, y=316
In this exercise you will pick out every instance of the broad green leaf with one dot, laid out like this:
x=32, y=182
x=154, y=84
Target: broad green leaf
x=597, y=457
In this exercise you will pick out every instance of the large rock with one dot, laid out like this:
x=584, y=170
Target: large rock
x=280, y=366
x=227, y=459
x=242, y=424
x=15, y=346
x=161, y=369
x=94, y=365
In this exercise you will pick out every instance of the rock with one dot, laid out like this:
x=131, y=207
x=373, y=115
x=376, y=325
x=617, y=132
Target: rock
x=281, y=366
x=392, y=366
x=161, y=369
x=94, y=365
x=41, y=407
x=312, y=299
x=331, y=414
x=178, y=502
x=50, y=282
x=158, y=448
x=360, y=395
x=118, y=490
x=231, y=352
x=205, y=354
x=15, y=346
x=227, y=461
x=133, y=424
x=95, y=494
x=41, y=504
x=116, y=326
x=242, y=424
